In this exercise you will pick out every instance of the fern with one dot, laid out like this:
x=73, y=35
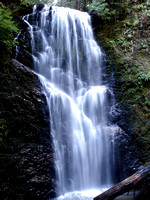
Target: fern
x=7, y=28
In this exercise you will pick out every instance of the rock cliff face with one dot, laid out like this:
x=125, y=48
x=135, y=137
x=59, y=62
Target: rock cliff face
x=26, y=156
x=126, y=43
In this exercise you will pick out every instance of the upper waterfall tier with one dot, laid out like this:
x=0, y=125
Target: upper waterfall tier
x=63, y=42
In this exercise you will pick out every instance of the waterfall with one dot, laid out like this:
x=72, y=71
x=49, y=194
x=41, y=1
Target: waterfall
x=69, y=63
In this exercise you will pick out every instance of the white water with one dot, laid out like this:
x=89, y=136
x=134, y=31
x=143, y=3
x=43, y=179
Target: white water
x=69, y=62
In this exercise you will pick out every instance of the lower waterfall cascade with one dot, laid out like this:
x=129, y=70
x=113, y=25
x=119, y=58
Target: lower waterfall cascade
x=70, y=65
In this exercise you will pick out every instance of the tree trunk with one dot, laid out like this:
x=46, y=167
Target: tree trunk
x=126, y=185
x=78, y=4
x=84, y=7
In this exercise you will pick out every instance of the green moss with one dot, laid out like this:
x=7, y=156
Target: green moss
x=7, y=28
x=126, y=43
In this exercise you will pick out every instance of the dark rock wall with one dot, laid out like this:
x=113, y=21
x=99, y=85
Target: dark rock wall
x=26, y=152
x=23, y=104
x=24, y=53
x=26, y=156
x=126, y=45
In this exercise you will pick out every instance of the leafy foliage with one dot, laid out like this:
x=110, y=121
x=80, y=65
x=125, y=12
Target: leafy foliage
x=7, y=29
x=36, y=1
x=77, y=4
x=102, y=9
x=107, y=9
x=66, y=3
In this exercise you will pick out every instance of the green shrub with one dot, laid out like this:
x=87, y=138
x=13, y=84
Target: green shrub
x=36, y=1
x=102, y=9
x=7, y=29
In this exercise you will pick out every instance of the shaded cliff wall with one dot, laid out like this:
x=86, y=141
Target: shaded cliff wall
x=26, y=156
x=126, y=43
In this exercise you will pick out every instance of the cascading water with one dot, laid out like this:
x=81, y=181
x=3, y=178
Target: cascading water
x=69, y=63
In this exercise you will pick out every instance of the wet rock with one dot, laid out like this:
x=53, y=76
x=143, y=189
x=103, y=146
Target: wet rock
x=26, y=156
x=127, y=155
x=144, y=192
x=24, y=54
x=39, y=7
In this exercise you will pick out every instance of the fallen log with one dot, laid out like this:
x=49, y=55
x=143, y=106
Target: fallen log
x=126, y=185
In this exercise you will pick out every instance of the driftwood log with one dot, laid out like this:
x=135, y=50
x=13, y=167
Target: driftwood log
x=126, y=185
